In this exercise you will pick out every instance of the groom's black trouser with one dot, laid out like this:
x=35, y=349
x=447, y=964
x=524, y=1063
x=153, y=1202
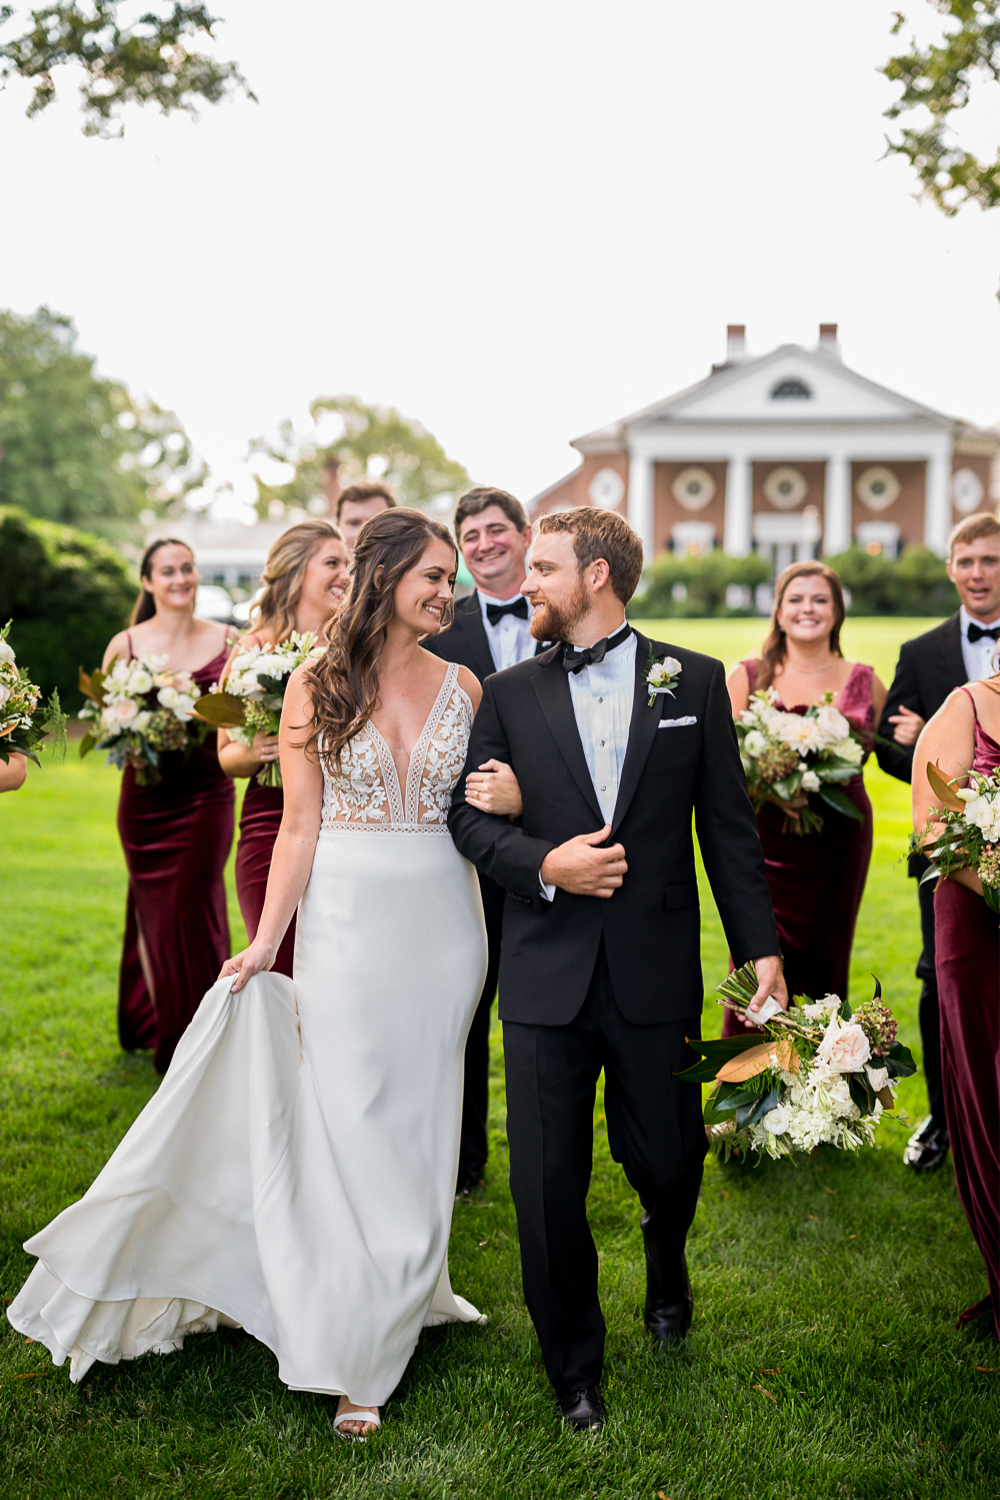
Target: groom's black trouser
x=655, y=1130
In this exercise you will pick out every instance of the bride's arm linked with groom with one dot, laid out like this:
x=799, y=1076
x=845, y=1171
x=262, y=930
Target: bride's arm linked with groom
x=610, y=767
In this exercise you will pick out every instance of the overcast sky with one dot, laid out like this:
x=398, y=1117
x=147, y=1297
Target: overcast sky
x=514, y=221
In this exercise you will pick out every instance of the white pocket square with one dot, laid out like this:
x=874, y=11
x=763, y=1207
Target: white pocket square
x=677, y=723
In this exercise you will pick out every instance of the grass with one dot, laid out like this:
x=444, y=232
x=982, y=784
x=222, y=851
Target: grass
x=823, y=1361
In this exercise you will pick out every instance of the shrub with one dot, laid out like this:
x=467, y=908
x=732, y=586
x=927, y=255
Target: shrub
x=915, y=583
x=67, y=593
x=696, y=585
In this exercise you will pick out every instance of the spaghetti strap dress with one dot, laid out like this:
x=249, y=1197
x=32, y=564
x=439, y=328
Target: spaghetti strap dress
x=817, y=879
x=968, y=976
x=260, y=819
x=176, y=837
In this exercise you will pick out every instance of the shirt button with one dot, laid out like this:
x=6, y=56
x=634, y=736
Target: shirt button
x=600, y=700
x=603, y=788
x=602, y=742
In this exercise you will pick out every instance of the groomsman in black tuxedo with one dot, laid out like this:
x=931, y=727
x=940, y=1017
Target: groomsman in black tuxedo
x=491, y=631
x=601, y=966
x=930, y=667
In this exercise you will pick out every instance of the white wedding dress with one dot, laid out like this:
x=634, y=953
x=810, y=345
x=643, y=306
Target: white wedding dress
x=295, y=1173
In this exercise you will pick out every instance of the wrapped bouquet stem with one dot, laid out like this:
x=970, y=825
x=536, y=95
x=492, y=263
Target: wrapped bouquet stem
x=816, y=1074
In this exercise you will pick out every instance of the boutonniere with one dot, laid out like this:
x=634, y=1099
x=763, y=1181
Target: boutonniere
x=662, y=676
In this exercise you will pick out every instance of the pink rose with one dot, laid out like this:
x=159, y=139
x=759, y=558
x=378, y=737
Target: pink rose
x=844, y=1048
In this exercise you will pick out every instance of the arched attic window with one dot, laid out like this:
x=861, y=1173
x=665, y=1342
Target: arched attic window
x=791, y=390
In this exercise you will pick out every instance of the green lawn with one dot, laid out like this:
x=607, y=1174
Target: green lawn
x=823, y=1359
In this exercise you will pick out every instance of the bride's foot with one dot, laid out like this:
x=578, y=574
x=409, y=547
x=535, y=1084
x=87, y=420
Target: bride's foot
x=355, y=1422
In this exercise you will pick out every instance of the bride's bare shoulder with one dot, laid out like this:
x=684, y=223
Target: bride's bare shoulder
x=470, y=684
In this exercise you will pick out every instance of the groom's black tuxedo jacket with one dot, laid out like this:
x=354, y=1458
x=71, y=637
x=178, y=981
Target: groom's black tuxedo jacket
x=930, y=667
x=465, y=640
x=651, y=924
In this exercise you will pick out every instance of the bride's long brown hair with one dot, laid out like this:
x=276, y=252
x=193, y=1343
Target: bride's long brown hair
x=343, y=684
x=775, y=648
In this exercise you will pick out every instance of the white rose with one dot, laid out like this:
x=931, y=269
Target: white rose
x=125, y=710
x=877, y=1077
x=671, y=666
x=6, y=654
x=810, y=782
x=851, y=750
x=845, y=1049
x=121, y=672
x=168, y=697
x=984, y=812
x=184, y=707
x=776, y=1120
x=142, y=681
x=140, y=722
x=754, y=743
x=832, y=723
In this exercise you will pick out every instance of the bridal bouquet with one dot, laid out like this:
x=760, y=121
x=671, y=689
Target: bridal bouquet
x=817, y=1074
x=24, y=722
x=970, y=838
x=787, y=755
x=254, y=692
x=140, y=710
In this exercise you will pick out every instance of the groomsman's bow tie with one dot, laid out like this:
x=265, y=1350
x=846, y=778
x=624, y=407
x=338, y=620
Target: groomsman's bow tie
x=976, y=633
x=518, y=607
x=575, y=658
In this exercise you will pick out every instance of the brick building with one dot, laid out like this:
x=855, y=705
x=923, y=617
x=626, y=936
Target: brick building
x=790, y=453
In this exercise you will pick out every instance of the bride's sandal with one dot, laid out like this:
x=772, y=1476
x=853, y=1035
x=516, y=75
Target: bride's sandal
x=361, y=1414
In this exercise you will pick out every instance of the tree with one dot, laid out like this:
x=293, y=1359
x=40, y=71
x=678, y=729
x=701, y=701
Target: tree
x=67, y=593
x=375, y=441
x=939, y=78
x=151, y=61
x=78, y=449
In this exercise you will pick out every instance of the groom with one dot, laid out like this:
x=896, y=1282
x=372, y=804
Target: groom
x=601, y=965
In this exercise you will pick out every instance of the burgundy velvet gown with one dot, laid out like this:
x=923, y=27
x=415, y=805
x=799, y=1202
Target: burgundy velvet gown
x=260, y=820
x=176, y=837
x=817, y=879
x=259, y=824
x=968, y=973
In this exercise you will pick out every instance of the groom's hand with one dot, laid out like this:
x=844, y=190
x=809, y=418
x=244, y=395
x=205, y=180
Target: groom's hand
x=580, y=867
x=770, y=981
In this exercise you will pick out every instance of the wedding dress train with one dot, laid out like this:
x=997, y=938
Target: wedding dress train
x=295, y=1172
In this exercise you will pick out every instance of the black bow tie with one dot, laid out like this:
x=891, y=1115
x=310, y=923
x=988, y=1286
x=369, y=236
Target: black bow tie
x=976, y=633
x=518, y=607
x=576, y=658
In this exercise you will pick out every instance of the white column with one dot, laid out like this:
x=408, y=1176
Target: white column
x=937, y=503
x=737, y=540
x=837, y=507
x=640, y=502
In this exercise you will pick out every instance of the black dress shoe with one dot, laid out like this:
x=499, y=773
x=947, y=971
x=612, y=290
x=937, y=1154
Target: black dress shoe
x=467, y=1184
x=583, y=1410
x=927, y=1148
x=669, y=1297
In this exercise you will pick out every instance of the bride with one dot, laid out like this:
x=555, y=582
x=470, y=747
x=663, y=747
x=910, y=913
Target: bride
x=295, y=1173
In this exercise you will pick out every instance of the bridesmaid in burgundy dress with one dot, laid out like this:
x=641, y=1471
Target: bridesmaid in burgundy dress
x=176, y=835
x=305, y=579
x=963, y=734
x=816, y=880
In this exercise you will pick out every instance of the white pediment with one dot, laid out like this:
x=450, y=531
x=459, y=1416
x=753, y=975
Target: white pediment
x=756, y=392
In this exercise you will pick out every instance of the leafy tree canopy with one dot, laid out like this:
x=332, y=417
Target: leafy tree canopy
x=151, y=61
x=939, y=79
x=373, y=442
x=78, y=449
x=67, y=593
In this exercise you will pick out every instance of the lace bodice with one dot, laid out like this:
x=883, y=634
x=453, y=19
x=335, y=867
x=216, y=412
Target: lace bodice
x=367, y=798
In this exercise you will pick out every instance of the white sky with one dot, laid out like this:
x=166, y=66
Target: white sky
x=515, y=221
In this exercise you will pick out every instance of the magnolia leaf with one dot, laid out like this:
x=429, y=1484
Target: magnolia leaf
x=884, y=1097
x=749, y=1114
x=92, y=684
x=841, y=802
x=941, y=788
x=224, y=710
x=900, y=1061
x=747, y=1065
x=87, y=743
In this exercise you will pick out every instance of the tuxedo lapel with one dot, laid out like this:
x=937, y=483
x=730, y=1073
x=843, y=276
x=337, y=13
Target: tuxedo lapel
x=552, y=691
x=953, y=662
x=642, y=732
x=467, y=611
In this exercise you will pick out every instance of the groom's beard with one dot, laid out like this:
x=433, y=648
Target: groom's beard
x=553, y=622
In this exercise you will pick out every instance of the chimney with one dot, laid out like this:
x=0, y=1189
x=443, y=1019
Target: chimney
x=828, y=341
x=736, y=343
